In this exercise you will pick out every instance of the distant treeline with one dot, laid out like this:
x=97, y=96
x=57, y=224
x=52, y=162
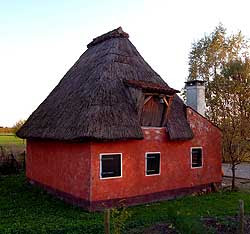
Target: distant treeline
x=6, y=130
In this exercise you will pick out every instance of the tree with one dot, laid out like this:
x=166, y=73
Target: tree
x=18, y=125
x=223, y=62
x=210, y=54
x=231, y=106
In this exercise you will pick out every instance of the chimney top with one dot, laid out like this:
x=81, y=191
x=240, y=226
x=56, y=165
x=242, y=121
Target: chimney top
x=195, y=82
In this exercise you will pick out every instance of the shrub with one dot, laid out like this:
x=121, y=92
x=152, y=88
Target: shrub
x=119, y=217
x=8, y=163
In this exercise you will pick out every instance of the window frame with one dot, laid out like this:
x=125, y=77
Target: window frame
x=146, y=163
x=113, y=177
x=191, y=156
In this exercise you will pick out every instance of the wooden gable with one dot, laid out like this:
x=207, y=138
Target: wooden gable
x=154, y=110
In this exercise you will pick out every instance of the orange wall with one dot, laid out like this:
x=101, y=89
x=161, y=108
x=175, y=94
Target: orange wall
x=175, y=169
x=62, y=166
x=74, y=168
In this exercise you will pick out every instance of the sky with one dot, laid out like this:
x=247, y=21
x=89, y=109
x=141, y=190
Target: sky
x=41, y=40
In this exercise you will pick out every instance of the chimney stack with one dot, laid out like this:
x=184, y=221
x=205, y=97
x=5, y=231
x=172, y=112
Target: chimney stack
x=196, y=95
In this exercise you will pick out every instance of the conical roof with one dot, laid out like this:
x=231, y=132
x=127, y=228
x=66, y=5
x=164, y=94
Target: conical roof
x=92, y=101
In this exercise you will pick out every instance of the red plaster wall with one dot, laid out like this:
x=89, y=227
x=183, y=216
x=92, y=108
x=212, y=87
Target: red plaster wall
x=175, y=166
x=62, y=166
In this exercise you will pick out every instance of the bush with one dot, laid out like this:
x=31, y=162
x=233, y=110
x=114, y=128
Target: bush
x=119, y=217
x=8, y=163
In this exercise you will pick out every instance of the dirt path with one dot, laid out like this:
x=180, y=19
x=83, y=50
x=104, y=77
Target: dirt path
x=242, y=170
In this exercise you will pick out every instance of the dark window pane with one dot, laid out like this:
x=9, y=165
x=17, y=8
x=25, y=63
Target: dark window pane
x=111, y=165
x=196, y=157
x=153, y=164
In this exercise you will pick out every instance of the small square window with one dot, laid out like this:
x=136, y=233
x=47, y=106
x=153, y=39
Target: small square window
x=110, y=165
x=196, y=157
x=152, y=163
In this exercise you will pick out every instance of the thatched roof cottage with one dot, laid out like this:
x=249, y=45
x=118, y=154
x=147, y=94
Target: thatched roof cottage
x=112, y=130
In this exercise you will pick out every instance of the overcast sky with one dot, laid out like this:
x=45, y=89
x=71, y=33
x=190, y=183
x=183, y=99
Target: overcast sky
x=41, y=40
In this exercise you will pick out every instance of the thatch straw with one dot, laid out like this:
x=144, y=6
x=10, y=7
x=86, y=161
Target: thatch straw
x=93, y=102
x=177, y=125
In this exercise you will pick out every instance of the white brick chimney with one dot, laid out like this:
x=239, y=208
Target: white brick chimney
x=195, y=95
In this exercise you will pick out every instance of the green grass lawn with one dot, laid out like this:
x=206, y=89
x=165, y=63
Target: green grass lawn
x=26, y=209
x=10, y=139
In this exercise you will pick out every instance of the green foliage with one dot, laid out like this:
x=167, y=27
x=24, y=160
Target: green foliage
x=184, y=222
x=211, y=54
x=118, y=218
x=231, y=105
x=26, y=209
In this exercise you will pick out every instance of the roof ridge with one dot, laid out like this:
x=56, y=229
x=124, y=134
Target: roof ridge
x=118, y=32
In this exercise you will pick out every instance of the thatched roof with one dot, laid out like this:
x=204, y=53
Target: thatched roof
x=177, y=125
x=94, y=99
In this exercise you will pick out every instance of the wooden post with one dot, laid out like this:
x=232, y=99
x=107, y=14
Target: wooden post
x=241, y=214
x=107, y=221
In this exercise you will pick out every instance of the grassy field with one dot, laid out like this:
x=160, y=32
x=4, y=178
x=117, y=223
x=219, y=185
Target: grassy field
x=10, y=139
x=25, y=209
